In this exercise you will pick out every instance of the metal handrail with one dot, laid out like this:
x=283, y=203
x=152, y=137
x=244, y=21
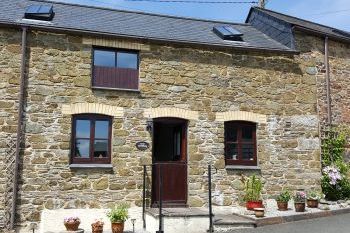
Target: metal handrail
x=160, y=193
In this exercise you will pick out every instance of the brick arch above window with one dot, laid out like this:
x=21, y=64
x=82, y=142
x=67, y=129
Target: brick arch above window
x=171, y=112
x=241, y=116
x=92, y=108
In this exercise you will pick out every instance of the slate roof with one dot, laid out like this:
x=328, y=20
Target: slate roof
x=277, y=29
x=303, y=24
x=128, y=24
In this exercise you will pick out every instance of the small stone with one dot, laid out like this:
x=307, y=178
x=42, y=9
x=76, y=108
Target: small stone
x=323, y=207
x=100, y=184
x=311, y=70
x=177, y=88
x=196, y=202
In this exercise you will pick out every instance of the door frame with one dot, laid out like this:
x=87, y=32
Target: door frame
x=185, y=123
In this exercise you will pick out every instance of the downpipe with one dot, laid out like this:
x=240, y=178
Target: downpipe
x=20, y=127
x=328, y=88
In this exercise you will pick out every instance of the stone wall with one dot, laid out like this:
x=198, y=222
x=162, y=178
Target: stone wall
x=203, y=81
x=339, y=63
x=10, y=57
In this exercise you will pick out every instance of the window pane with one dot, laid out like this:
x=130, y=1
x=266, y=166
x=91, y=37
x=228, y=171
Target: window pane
x=82, y=148
x=82, y=129
x=101, y=129
x=248, y=151
x=231, y=151
x=101, y=148
x=231, y=134
x=247, y=134
x=104, y=58
x=127, y=60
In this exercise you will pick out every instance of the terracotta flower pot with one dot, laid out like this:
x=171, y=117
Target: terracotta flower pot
x=72, y=226
x=282, y=206
x=97, y=228
x=312, y=203
x=117, y=227
x=299, y=207
x=259, y=212
x=251, y=205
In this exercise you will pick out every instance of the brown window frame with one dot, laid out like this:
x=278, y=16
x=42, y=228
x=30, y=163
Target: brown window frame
x=91, y=160
x=115, y=71
x=238, y=125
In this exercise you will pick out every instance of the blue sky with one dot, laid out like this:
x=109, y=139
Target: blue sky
x=335, y=13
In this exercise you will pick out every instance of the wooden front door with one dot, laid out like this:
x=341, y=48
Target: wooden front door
x=170, y=160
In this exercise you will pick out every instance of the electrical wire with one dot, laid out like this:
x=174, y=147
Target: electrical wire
x=195, y=1
x=330, y=12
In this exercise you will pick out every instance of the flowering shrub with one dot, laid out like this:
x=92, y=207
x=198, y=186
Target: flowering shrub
x=334, y=184
x=71, y=219
x=335, y=178
x=333, y=174
x=299, y=197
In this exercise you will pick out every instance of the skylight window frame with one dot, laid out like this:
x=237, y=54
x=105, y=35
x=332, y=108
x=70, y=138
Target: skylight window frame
x=227, y=32
x=39, y=12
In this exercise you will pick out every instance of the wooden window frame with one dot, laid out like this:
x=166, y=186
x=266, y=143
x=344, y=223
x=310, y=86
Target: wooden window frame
x=116, y=69
x=239, y=125
x=91, y=160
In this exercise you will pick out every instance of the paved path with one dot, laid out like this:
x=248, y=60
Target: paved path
x=333, y=224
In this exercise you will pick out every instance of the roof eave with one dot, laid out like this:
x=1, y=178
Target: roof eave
x=321, y=34
x=150, y=39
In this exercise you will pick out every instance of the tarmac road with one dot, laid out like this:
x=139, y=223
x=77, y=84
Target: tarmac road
x=334, y=224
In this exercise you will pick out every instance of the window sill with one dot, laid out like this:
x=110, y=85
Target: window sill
x=242, y=167
x=91, y=166
x=115, y=89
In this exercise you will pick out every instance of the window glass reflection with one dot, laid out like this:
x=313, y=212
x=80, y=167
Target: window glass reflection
x=104, y=58
x=127, y=60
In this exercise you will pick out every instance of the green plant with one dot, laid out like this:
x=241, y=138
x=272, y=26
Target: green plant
x=335, y=182
x=314, y=195
x=333, y=145
x=253, y=187
x=284, y=196
x=119, y=213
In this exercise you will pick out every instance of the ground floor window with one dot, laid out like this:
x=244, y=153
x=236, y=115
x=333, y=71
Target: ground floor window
x=91, y=139
x=240, y=143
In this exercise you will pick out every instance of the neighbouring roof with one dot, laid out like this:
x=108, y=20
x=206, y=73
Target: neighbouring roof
x=302, y=24
x=128, y=24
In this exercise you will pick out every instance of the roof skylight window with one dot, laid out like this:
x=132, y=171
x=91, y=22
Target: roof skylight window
x=39, y=12
x=228, y=33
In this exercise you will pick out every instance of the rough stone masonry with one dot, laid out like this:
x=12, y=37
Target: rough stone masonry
x=280, y=91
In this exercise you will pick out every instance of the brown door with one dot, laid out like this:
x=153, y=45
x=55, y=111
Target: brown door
x=170, y=160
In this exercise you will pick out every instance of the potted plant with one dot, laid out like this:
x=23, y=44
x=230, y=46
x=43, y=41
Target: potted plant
x=253, y=187
x=259, y=212
x=313, y=199
x=118, y=215
x=283, y=199
x=299, y=201
x=97, y=226
x=71, y=223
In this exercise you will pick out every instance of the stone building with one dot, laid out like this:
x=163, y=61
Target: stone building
x=246, y=98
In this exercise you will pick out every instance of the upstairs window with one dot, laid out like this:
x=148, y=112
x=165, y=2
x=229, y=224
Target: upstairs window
x=240, y=143
x=115, y=69
x=91, y=139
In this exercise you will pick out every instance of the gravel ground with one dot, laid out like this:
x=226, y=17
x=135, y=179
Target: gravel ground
x=333, y=224
x=272, y=211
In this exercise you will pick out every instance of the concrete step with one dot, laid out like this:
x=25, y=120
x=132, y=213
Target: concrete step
x=175, y=220
x=226, y=223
